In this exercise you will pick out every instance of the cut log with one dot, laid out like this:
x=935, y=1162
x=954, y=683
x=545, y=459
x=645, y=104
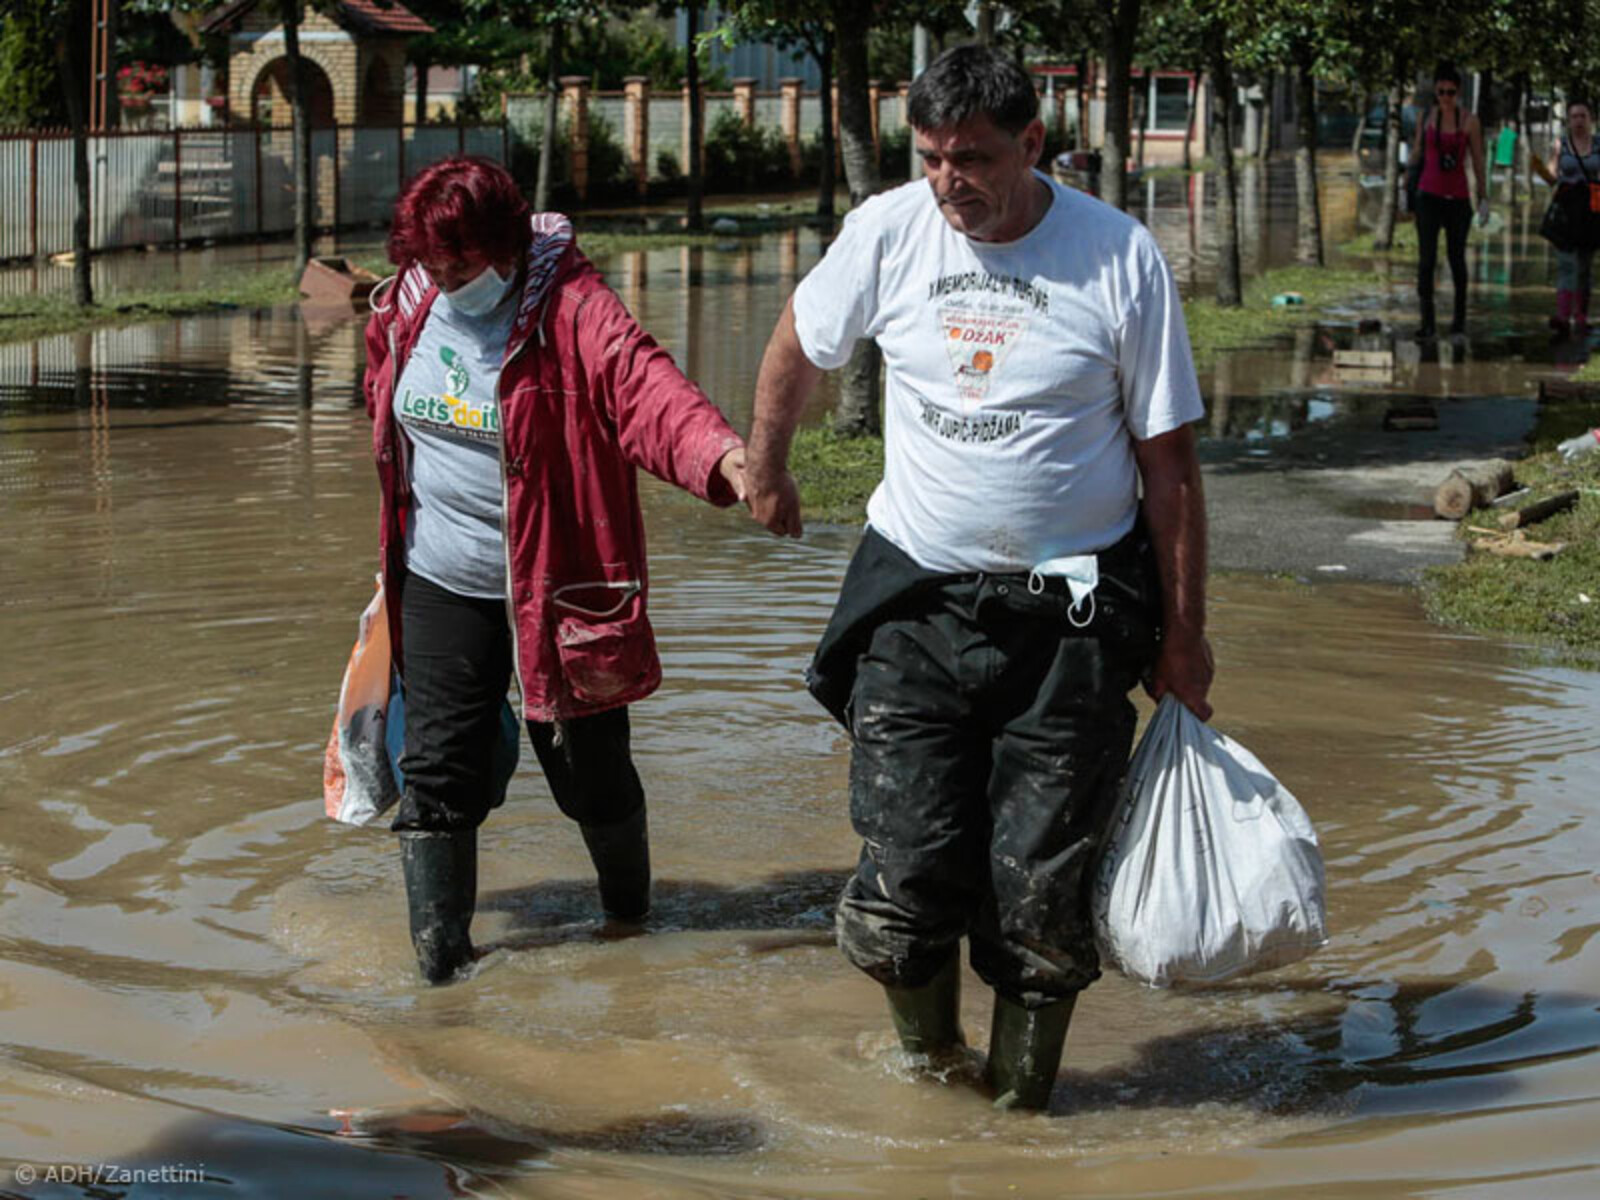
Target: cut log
x=1463, y=491
x=1531, y=514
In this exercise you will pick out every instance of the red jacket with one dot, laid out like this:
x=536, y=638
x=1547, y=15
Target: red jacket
x=586, y=396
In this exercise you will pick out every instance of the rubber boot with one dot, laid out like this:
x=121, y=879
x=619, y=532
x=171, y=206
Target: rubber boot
x=928, y=1018
x=621, y=857
x=1025, y=1051
x=1426, y=330
x=441, y=871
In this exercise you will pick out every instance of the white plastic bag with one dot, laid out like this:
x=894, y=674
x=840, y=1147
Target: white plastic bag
x=1211, y=868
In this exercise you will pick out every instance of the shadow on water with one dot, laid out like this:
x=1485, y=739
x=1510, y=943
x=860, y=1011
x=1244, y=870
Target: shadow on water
x=795, y=903
x=420, y=1154
x=1384, y=1051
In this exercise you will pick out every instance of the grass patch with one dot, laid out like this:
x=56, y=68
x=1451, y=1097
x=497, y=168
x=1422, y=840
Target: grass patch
x=23, y=318
x=1537, y=601
x=1213, y=328
x=1405, y=243
x=836, y=474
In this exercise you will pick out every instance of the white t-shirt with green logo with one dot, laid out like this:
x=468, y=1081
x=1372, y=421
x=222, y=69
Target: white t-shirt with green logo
x=448, y=403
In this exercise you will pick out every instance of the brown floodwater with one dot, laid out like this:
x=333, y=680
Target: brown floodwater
x=198, y=972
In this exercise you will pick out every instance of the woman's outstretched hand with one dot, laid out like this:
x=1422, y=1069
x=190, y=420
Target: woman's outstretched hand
x=731, y=468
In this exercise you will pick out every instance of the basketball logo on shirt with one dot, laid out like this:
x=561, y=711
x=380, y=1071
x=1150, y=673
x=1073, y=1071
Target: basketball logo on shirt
x=978, y=341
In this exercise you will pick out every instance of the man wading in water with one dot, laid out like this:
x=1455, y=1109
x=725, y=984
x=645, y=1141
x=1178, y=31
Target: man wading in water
x=1011, y=587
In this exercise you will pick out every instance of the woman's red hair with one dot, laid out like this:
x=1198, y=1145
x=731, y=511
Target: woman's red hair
x=459, y=205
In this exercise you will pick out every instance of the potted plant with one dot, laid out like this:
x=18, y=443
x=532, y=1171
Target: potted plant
x=138, y=84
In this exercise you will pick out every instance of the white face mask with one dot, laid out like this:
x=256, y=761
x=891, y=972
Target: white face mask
x=1082, y=573
x=481, y=295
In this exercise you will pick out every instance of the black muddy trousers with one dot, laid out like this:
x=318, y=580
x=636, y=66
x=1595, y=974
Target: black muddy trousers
x=990, y=736
x=457, y=670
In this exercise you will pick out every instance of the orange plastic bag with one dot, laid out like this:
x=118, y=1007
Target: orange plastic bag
x=358, y=778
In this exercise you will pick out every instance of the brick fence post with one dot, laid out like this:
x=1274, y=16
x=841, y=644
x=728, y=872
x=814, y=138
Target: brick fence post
x=838, y=145
x=703, y=131
x=636, y=128
x=744, y=101
x=575, y=103
x=791, y=122
x=874, y=101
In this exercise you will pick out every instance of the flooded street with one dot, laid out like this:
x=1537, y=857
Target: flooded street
x=199, y=972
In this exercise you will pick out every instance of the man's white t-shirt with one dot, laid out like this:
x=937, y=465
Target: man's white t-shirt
x=1019, y=373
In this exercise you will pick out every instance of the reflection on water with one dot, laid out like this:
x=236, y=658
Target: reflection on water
x=196, y=967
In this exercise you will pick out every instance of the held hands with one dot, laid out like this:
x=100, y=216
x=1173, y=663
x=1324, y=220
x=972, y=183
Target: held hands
x=731, y=468
x=1184, y=667
x=774, y=500
x=1483, y=213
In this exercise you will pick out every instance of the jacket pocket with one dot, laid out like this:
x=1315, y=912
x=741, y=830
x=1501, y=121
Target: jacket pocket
x=603, y=638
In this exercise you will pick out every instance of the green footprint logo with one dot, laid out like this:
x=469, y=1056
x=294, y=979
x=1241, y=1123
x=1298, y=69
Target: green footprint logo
x=456, y=379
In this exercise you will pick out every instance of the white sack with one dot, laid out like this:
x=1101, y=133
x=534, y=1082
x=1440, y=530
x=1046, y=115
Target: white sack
x=1211, y=868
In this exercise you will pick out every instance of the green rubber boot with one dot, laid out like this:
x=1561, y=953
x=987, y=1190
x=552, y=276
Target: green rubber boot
x=441, y=871
x=1025, y=1051
x=928, y=1018
x=621, y=857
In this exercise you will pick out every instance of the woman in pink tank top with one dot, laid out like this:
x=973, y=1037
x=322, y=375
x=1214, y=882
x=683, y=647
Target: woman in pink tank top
x=1447, y=139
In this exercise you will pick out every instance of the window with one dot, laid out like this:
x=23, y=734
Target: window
x=1167, y=104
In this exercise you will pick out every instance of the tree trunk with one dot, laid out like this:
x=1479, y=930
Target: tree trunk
x=1361, y=128
x=420, y=117
x=552, y=114
x=1308, y=208
x=1269, y=92
x=73, y=73
x=1524, y=135
x=695, y=217
x=985, y=22
x=1122, y=23
x=825, y=180
x=1383, y=236
x=857, y=413
x=1081, y=142
x=1230, y=289
x=1141, y=107
x=1188, y=123
x=300, y=108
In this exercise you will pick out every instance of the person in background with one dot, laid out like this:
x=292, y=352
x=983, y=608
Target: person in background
x=1577, y=165
x=512, y=397
x=1447, y=139
x=1012, y=586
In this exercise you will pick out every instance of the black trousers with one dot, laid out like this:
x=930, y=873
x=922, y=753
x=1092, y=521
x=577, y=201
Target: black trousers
x=1454, y=217
x=990, y=737
x=457, y=671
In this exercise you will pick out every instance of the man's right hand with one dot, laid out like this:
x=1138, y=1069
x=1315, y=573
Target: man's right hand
x=774, y=501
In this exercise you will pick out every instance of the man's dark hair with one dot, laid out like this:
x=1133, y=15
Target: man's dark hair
x=1446, y=73
x=973, y=81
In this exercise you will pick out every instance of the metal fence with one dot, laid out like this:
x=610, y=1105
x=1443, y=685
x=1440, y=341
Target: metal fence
x=159, y=187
